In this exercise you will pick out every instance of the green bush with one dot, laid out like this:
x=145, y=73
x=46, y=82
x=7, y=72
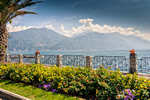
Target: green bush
x=84, y=81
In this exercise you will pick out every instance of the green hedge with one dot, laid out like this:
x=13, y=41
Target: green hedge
x=84, y=81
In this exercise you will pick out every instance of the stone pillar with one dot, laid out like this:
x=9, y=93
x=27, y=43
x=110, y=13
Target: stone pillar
x=21, y=58
x=37, y=58
x=133, y=63
x=7, y=58
x=59, y=60
x=89, y=61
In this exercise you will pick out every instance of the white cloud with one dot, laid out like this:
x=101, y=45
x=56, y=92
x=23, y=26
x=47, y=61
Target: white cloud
x=86, y=27
x=145, y=36
x=17, y=20
x=49, y=27
x=76, y=3
x=65, y=32
x=11, y=28
x=89, y=26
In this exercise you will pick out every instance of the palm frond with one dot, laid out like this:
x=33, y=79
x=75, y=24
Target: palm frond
x=24, y=12
x=17, y=1
x=9, y=9
x=27, y=3
x=18, y=13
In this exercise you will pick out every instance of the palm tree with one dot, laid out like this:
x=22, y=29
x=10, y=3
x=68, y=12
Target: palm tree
x=10, y=9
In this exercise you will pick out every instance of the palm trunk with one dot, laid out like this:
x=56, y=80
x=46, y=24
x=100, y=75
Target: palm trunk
x=3, y=42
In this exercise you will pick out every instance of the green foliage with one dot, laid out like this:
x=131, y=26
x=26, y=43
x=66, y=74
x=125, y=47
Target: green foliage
x=10, y=9
x=32, y=92
x=84, y=81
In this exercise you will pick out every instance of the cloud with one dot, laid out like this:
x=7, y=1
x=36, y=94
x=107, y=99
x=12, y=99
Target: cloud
x=89, y=26
x=76, y=3
x=65, y=32
x=11, y=28
x=145, y=36
x=17, y=19
x=50, y=27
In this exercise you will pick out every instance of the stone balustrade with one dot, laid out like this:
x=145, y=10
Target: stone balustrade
x=132, y=68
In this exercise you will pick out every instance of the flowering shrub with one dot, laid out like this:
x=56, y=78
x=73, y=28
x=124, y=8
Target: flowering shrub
x=84, y=81
x=127, y=94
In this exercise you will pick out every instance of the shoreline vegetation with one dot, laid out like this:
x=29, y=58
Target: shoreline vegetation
x=78, y=81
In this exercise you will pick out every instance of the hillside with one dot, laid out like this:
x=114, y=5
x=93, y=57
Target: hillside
x=45, y=39
x=97, y=41
x=35, y=39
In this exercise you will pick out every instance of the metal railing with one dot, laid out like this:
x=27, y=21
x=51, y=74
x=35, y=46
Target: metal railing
x=73, y=60
x=48, y=59
x=28, y=58
x=143, y=64
x=14, y=58
x=111, y=61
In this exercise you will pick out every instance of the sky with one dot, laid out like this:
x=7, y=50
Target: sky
x=73, y=17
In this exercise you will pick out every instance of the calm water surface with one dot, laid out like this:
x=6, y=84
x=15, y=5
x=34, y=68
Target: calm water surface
x=140, y=53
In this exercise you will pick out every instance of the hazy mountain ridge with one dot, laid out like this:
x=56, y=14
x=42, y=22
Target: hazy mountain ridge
x=97, y=41
x=35, y=39
x=44, y=39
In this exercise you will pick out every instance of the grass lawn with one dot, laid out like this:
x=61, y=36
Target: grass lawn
x=33, y=92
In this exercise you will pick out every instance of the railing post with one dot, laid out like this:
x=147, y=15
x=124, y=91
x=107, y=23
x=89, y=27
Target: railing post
x=59, y=61
x=37, y=57
x=133, y=63
x=89, y=61
x=21, y=58
x=7, y=56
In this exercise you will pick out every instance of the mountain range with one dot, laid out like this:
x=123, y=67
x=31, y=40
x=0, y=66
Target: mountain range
x=45, y=39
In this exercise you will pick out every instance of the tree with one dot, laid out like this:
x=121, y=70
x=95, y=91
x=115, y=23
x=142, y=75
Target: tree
x=10, y=9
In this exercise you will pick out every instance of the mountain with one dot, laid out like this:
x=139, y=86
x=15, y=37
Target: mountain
x=45, y=39
x=81, y=34
x=35, y=39
x=97, y=41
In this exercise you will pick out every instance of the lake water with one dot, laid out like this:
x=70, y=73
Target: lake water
x=140, y=53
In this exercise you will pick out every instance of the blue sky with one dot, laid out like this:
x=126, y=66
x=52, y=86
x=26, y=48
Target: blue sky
x=70, y=17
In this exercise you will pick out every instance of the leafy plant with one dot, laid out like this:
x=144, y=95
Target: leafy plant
x=84, y=81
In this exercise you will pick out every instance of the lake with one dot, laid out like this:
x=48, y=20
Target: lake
x=140, y=53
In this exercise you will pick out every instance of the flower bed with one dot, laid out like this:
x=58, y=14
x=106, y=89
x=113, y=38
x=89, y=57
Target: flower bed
x=80, y=81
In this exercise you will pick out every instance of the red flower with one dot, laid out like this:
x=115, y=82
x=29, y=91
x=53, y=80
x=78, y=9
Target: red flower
x=132, y=51
x=37, y=51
